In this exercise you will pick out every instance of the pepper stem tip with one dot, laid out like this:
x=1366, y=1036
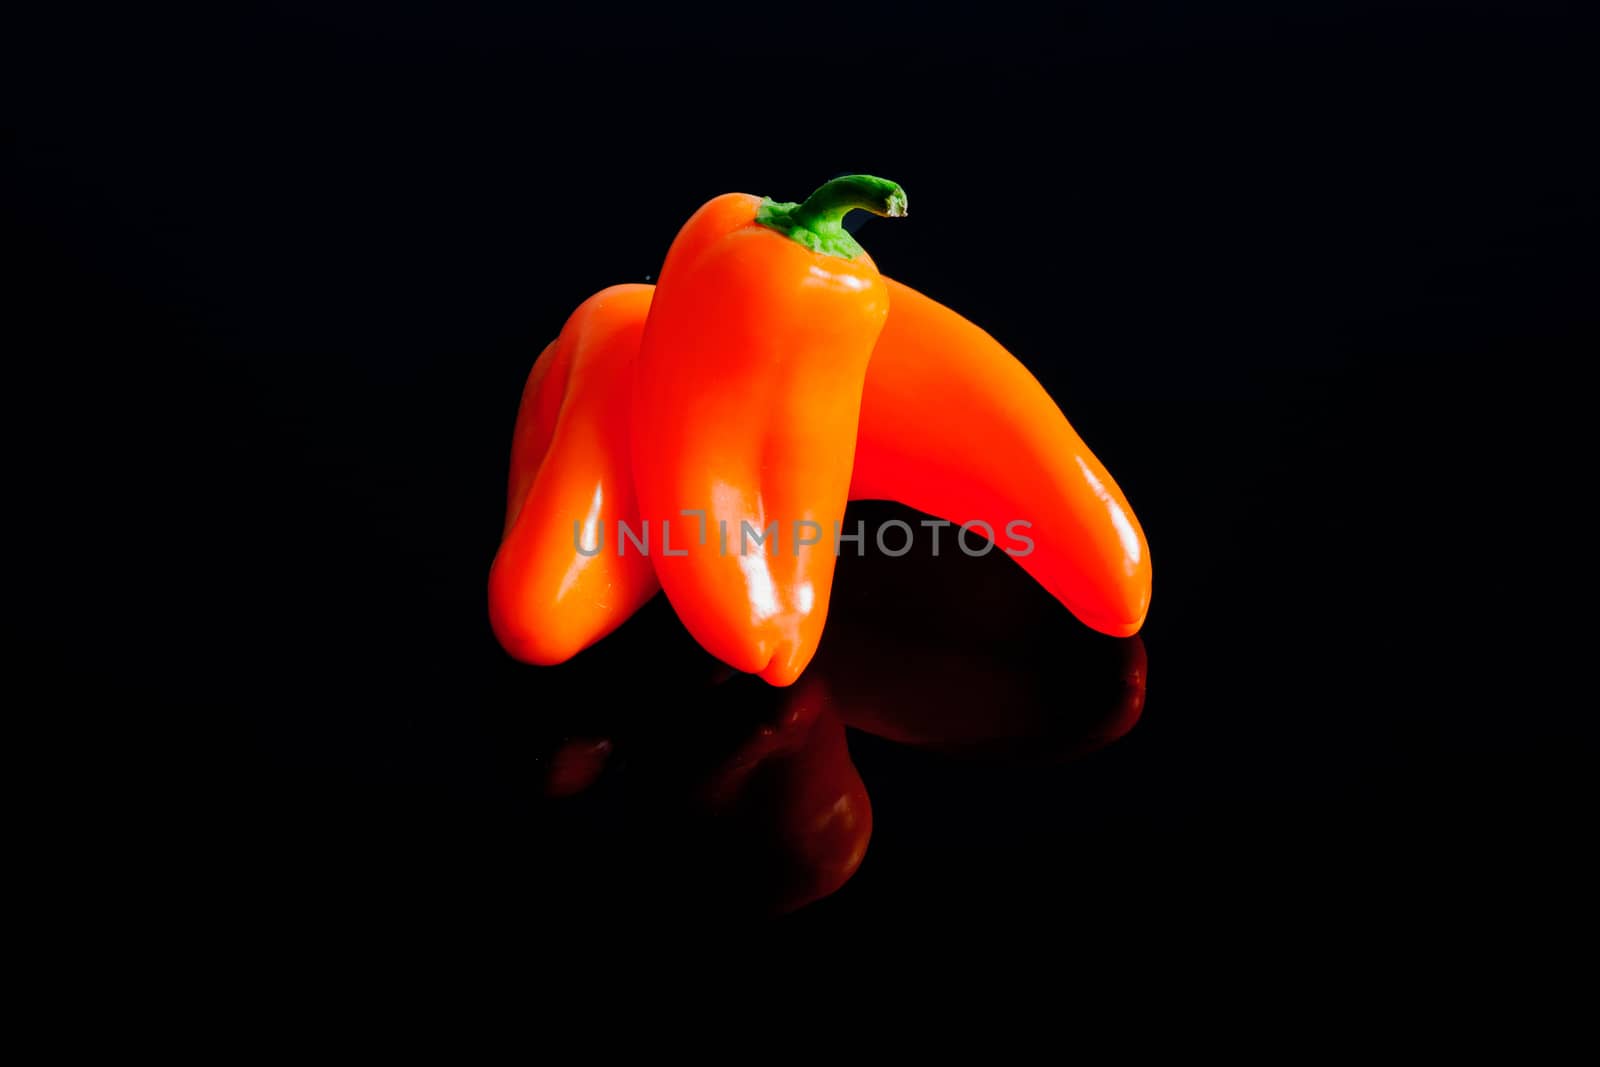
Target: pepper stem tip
x=817, y=223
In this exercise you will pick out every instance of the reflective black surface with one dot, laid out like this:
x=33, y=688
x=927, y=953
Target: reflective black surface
x=1310, y=283
x=734, y=796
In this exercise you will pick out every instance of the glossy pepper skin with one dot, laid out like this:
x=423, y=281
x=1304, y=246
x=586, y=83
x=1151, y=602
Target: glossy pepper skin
x=747, y=393
x=954, y=425
x=569, y=464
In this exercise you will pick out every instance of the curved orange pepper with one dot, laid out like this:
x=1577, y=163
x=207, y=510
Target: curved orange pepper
x=954, y=425
x=548, y=600
x=747, y=393
x=949, y=423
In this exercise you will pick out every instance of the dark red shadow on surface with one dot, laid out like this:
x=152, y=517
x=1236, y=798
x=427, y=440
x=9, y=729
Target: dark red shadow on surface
x=739, y=797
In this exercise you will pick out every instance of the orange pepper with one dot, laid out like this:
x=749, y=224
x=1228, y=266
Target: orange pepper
x=747, y=392
x=549, y=599
x=949, y=423
x=954, y=425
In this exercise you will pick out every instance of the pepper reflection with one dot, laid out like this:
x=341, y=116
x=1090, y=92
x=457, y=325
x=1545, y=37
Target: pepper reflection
x=744, y=797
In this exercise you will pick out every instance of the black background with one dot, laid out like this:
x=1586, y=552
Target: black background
x=1307, y=278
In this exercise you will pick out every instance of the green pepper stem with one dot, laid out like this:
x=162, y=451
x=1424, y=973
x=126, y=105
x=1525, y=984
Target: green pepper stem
x=818, y=222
